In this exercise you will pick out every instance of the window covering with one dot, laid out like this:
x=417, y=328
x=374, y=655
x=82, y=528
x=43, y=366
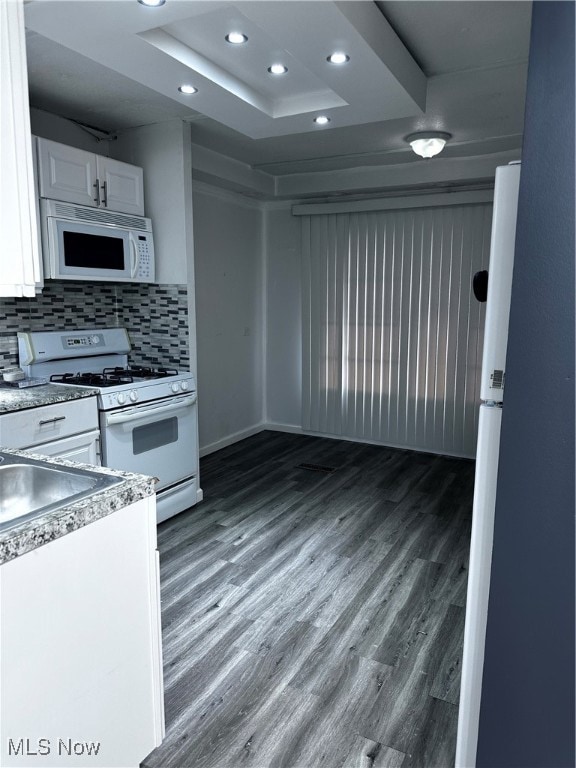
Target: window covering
x=392, y=334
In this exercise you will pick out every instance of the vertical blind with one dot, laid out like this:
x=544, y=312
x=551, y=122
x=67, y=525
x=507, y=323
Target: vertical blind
x=392, y=334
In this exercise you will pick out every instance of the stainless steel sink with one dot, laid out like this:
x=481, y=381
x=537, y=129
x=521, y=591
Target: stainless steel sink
x=30, y=488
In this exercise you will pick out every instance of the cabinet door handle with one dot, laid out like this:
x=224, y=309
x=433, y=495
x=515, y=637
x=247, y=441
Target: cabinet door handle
x=97, y=187
x=105, y=194
x=51, y=421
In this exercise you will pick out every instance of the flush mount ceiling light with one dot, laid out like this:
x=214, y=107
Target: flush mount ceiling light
x=187, y=89
x=428, y=143
x=152, y=3
x=321, y=120
x=236, y=38
x=277, y=69
x=338, y=58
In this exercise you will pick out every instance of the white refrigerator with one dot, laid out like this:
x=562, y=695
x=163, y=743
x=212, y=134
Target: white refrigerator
x=491, y=395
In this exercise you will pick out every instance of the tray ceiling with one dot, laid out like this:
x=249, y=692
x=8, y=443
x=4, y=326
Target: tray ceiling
x=184, y=42
x=414, y=65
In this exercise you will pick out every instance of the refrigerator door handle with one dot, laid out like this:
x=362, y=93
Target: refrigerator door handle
x=480, y=285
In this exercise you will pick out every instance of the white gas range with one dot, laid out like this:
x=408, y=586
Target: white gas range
x=148, y=416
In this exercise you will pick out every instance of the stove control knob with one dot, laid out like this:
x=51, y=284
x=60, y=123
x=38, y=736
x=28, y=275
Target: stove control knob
x=121, y=398
x=183, y=386
x=133, y=395
x=175, y=388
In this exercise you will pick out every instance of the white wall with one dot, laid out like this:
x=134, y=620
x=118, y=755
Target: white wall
x=163, y=151
x=56, y=128
x=229, y=267
x=284, y=317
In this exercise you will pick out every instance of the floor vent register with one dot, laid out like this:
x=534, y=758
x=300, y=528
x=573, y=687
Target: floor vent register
x=317, y=468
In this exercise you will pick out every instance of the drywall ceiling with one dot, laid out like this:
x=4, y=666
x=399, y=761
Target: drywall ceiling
x=445, y=65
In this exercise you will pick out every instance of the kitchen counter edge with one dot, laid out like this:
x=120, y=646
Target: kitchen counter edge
x=41, y=530
x=14, y=399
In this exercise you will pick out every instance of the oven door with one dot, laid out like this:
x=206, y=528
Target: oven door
x=157, y=439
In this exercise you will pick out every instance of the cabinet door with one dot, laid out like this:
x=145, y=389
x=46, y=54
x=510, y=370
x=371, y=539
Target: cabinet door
x=67, y=173
x=79, y=646
x=121, y=186
x=21, y=271
x=47, y=423
x=84, y=448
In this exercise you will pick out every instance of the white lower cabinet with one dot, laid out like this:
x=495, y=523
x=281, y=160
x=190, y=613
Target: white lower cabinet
x=68, y=430
x=84, y=448
x=48, y=423
x=80, y=647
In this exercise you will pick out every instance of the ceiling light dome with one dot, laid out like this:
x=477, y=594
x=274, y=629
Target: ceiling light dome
x=428, y=143
x=321, y=120
x=152, y=3
x=187, y=89
x=236, y=38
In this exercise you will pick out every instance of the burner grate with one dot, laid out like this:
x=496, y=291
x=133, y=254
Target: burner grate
x=105, y=379
x=142, y=372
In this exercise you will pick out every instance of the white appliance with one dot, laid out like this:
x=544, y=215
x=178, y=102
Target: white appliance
x=148, y=416
x=491, y=394
x=82, y=243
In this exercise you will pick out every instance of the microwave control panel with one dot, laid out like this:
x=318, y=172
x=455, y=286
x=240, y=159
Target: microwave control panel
x=145, y=248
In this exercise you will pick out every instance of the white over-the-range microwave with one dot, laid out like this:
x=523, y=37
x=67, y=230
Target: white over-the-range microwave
x=83, y=243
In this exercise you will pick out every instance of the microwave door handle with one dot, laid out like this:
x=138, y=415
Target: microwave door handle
x=135, y=256
x=145, y=413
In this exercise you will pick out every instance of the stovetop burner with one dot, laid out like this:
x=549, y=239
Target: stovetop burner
x=104, y=379
x=141, y=372
x=111, y=377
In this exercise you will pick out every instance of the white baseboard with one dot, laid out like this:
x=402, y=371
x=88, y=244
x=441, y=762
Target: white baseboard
x=235, y=437
x=277, y=427
x=296, y=430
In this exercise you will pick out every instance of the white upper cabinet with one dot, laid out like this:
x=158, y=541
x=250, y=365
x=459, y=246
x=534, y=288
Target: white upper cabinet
x=76, y=176
x=20, y=266
x=121, y=185
x=66, y=173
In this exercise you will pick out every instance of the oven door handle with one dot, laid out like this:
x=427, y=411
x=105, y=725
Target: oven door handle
x=137, y=414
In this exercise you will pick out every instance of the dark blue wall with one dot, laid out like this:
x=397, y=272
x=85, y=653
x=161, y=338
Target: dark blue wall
x=527, y=710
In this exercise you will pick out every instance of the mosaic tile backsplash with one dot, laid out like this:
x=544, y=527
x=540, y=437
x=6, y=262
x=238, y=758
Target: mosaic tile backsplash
x=156, y=317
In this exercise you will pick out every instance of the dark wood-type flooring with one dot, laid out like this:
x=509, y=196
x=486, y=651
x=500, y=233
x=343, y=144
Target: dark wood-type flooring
x=315, y=619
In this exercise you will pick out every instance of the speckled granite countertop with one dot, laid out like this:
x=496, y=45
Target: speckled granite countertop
x=14, y=399
x=45, y=528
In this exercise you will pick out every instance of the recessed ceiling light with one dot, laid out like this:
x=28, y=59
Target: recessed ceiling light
x=277, y=69
x=187, y=89
x=321, y=120
x=338, y=58
x=236, y=38
x=152, y=3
